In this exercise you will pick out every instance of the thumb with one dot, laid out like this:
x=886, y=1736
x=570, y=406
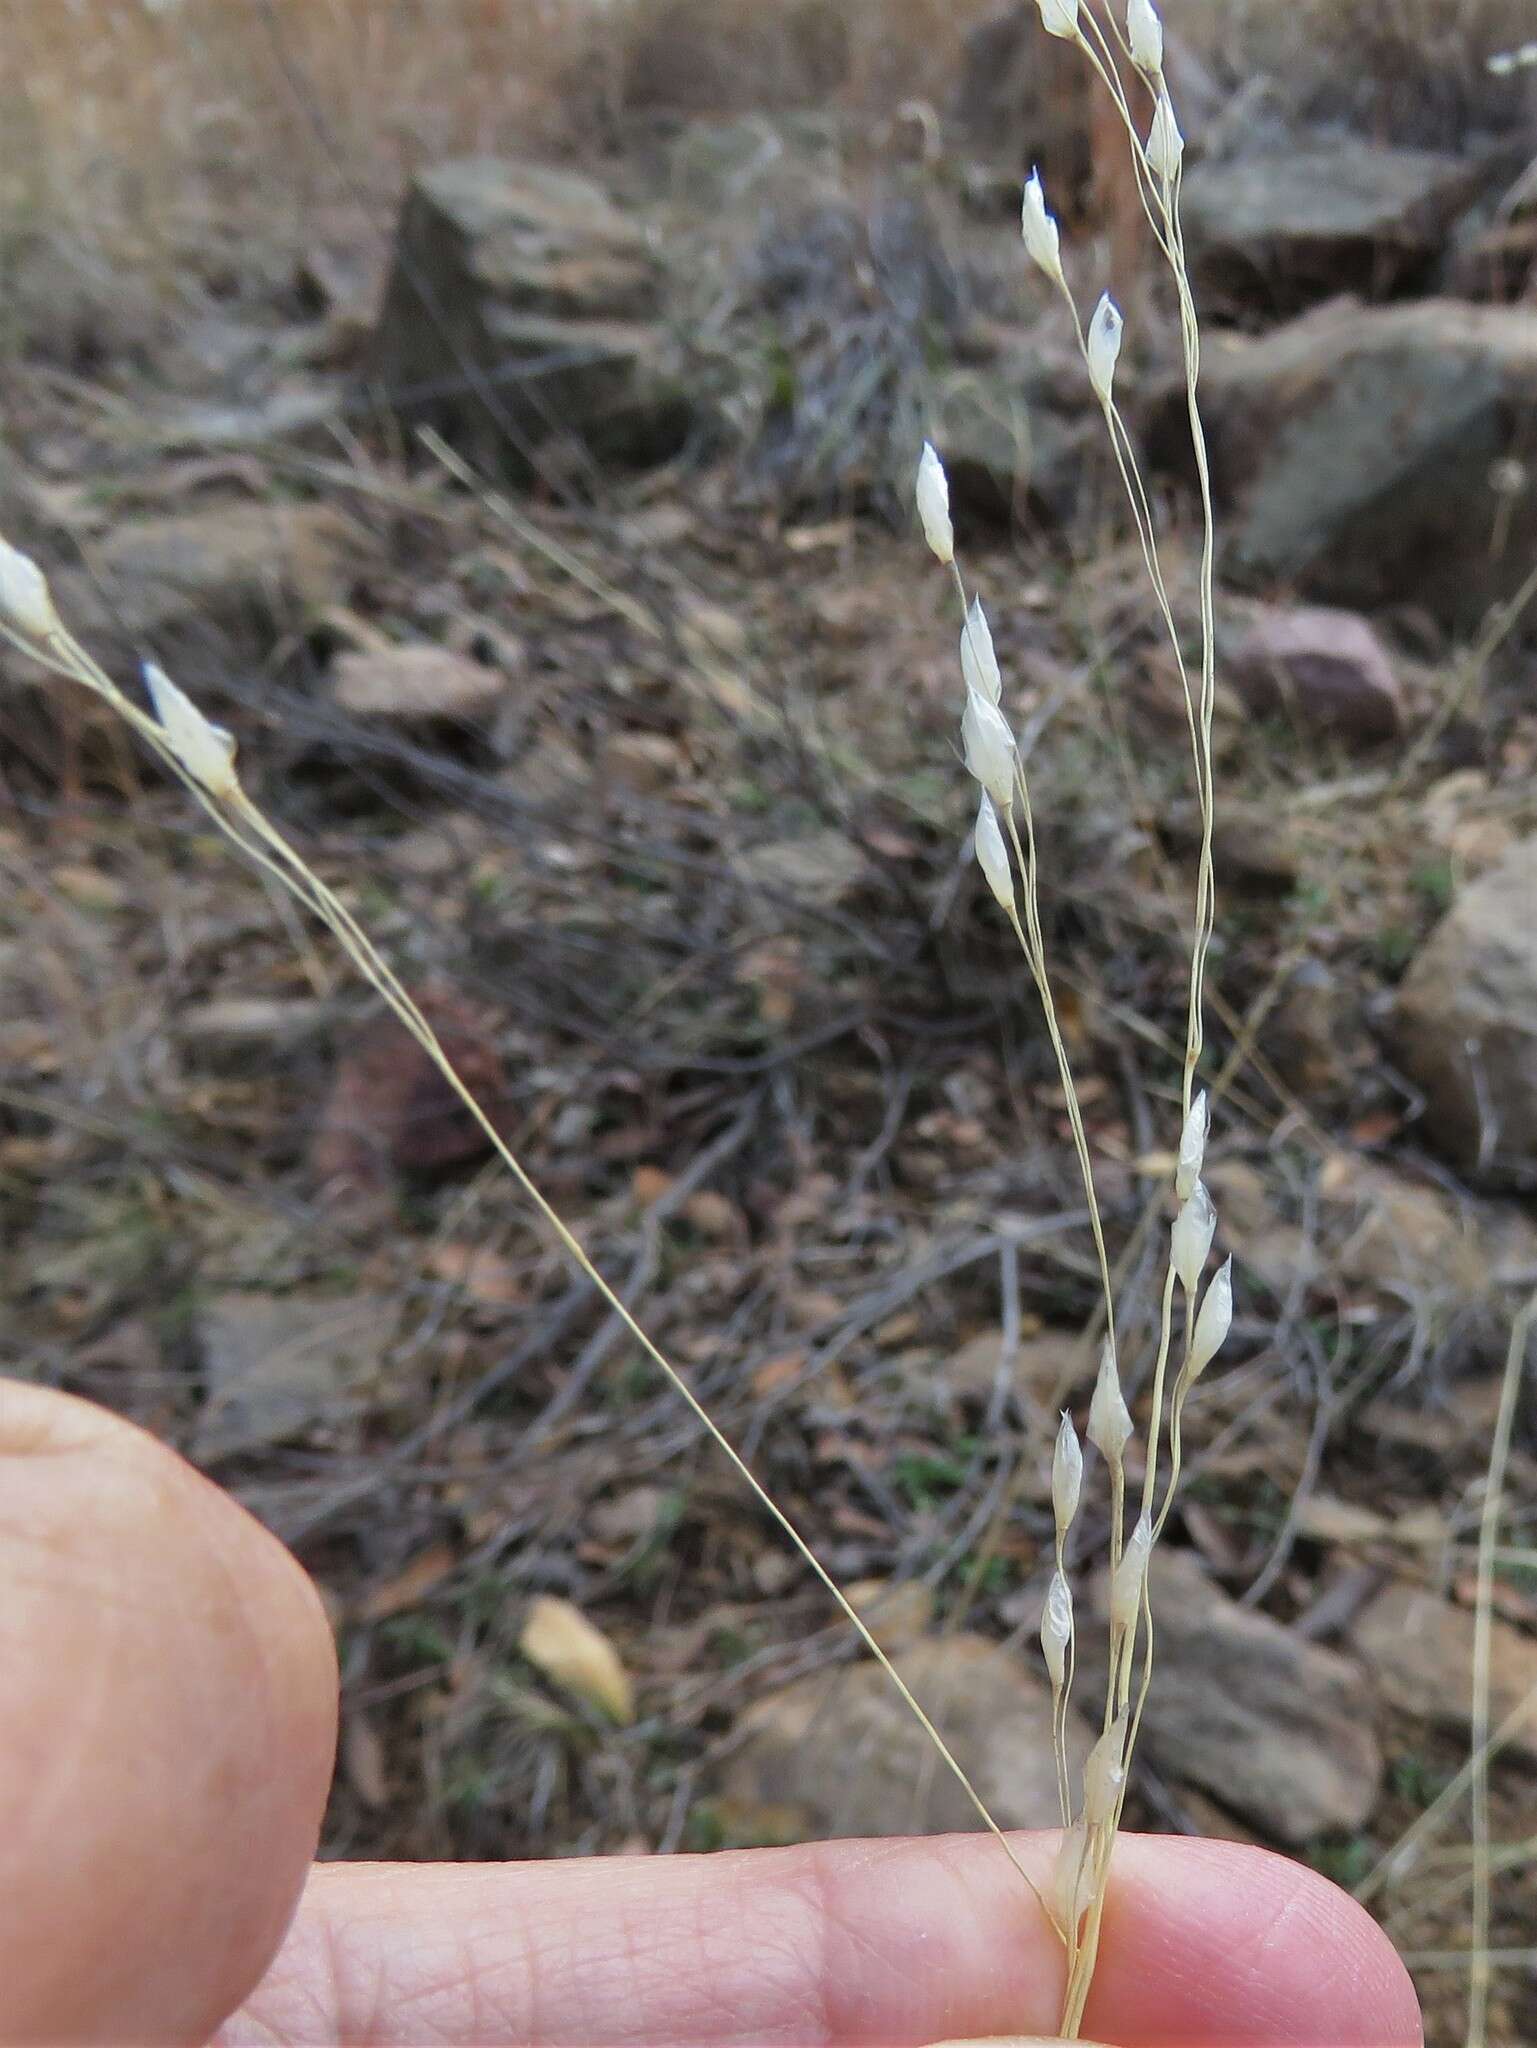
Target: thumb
x=167, y=1719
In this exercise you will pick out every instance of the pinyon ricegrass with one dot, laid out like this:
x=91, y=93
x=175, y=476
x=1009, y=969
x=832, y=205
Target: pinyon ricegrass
x=1128, y=65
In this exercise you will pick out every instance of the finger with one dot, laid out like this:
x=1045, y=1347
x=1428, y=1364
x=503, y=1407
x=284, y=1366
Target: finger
x=167, y=1717
x=851, y=1942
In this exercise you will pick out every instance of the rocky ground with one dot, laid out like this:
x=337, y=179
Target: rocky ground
x=548, y=556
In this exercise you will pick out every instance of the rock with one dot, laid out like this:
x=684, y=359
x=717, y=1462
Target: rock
x=1419, y=1649
x=1315, y=1037
x=753, y=157
x=227, y=1031
x=279, y=1367
x=1325, y=669
x=897, y=1612
x=526, y=287
x=1276, y=1728
x=1466, y=1024
x=413, y=686
x=820, y=868
x=232, y=572
x=390, y=1112
x=1373, y=455
x=1273, y=234
x=1262, y=1242
x=643, y=763
x=1012, y=442
x=1044, y=1365
x=1412, y=1240
x=842, y=1752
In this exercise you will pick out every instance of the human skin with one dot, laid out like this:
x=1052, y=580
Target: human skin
x=167, y=1726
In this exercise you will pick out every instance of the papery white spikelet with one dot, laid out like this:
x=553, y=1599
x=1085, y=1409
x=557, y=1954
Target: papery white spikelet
x=993, y=855
x=1192, y=1147
x=1066, y=1475
x=205, y=750
x=1059, y=17
x=1072, y=1878
x=988, y=746
x=1042, y=238
x=1131, y=1575
x=1144, y=36
x=1057, y=1629
x=1190, y=1239
x=1213, y=1322
x=26, y=603
x=1104, y=1773
x=979, y=662
x=933, y=496
x=1109, y=1418
x=1165, y=144
x=1104, y=346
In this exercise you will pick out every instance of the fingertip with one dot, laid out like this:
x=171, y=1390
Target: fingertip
x=167, y=1721
x=1227, y=1929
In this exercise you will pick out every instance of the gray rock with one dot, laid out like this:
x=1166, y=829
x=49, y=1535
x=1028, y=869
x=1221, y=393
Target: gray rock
x=1374, y=455
x=235, y=572
x=280, y=1367
x=523, y=314
x=1009, y=443
x=1419, y=1649
x=414, y=686
x=1466, y=1024
x=1325, y=669
x=820, y=868
x=839, y=1754
x=1273, y=234
x=1277, y=1728
x=753, y=157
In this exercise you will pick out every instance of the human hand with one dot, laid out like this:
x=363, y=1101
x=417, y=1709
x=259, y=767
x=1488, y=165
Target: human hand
x=167, y=1721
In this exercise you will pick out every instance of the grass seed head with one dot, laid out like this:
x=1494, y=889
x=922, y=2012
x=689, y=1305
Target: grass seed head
x=1042, y=238
x=1131, y=1576
x=1104, y=346
x=26, y=603
x=204, y=749
x=993, y=855
x=1144, y=36
x=1190, y=1239
x=1165, y=144
x=1057, y=1629
x=1060, y=18
x=1192, y=1147
x=1104, y=1774
x=1214, y=1320
x=1066, y=1476
x=1071, y=1891
x=988, y=746
x=933, y=496
x=979, y=662
x=1109, y=1418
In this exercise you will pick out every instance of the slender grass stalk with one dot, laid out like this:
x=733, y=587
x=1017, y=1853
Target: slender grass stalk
x=202, y=757
x=1479, y=1967
x=1007, y=851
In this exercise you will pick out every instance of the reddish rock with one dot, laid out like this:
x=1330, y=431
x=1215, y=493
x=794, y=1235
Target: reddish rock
x=1325, y=668
x=391, y=1113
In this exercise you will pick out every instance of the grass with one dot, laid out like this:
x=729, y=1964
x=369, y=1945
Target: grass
x=202, y=756
x=930, y=1469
